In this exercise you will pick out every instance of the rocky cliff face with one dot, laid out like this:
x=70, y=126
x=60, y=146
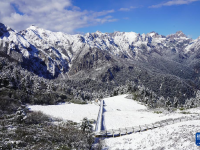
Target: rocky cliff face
x=56, y=51
x=168, y=65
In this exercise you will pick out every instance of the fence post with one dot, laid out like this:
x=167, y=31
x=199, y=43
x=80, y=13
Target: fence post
x=106, y=133
x=126, y=131
x=153, y=125
x=119, y=132
x=113, y=133
x=133, y=129
x=140, y=128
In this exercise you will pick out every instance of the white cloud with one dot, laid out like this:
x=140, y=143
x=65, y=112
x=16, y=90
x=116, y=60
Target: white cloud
x=5, y=9
x=106, y=19
x=173, y=2
x=127, y=9
x=124, y=9
x=55, y=15
x=102, y=13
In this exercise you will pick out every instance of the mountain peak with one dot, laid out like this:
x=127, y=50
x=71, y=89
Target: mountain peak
x=153, y=34
x=2, y=25
x=88, y=34
x=178, y=34
x=98, y=31
x=4, y=28
x=33, y=27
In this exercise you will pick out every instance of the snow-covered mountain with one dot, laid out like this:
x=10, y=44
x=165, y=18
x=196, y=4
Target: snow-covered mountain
x=106, y=57
x=58, y=50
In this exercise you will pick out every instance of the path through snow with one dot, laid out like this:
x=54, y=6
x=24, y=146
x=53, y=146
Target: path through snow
x=120, y=112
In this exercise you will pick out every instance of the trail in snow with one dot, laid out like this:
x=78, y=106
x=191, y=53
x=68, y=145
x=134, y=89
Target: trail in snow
x=121, y=112
x=126, y=107
x=179, y=136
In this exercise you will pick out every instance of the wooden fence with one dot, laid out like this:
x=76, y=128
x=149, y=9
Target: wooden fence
x=130, y=130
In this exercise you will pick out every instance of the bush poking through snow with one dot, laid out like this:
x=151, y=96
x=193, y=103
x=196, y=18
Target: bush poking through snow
x=158, y=112
x=37, y=118
x=86, y=125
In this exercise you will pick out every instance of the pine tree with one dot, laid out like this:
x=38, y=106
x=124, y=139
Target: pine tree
x=86, y=125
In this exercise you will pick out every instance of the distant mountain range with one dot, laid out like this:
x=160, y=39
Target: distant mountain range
x=169, y=65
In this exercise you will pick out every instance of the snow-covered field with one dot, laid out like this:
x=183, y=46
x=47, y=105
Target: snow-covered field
x=180, y=136
x=73, y=112
x=120, y=112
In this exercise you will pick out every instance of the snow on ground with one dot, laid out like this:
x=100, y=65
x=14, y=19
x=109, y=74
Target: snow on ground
x=191, y=110
x=73, y=112
x=179, y=136
x=120, y=112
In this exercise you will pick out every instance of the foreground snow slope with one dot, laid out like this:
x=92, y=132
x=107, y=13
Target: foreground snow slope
x=120, y=112
x=180, y=136
x=73, y=112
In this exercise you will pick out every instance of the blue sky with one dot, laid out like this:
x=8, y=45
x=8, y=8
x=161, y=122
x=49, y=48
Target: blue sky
x=82, y=16
x=144, y=19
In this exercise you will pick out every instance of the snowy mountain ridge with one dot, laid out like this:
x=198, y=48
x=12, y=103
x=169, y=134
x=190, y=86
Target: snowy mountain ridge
x=58, y=50
x=168, y=66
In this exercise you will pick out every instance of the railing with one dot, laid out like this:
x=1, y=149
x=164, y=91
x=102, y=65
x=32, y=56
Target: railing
x=130, y=130
x=99, y=118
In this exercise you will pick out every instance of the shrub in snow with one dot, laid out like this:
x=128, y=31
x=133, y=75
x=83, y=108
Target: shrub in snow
x=86, y=125
x=20, y=115
x=36, y=118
